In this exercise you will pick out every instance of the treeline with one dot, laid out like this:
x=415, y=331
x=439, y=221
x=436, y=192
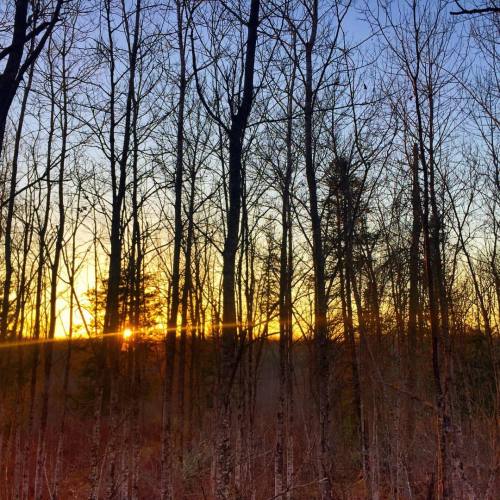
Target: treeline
x=269, y=235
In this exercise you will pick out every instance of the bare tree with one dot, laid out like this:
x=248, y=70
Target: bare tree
x=26, y=27
x=240, y=106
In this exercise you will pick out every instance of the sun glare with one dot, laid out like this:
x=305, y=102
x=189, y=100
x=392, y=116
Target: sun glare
x=127, y=333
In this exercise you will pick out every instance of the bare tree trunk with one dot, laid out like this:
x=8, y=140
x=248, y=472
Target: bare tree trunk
x=94, y=478
x=54, y=278
x=439, y=354
x=71, y=266
x=347, y=313
x=112, y=317
x=347, y=215
x=236, y=134
x=38, y=308
x=413, y=305
x=290, y=402
x=322, y=367
x=186, y=293
x=167, y=441
x=283, y=462
x=4, y=318
x=15, y=67
x=112, y=312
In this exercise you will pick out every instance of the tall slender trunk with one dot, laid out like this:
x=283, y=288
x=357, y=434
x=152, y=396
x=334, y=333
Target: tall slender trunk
x=112, y=316
x=112, y=312
x=38, y=303
x=167, y=442
x=279, y=453
x=290, y=402
x=5, y=310
x=135, y=275
x=236, y=134
x=59, y=459
x=322, y=368
x=48, y=354
x=4, y=318
x=186, y=293
x=283, y=462
x=430, y=231
x=346, y=213
x=413, y=305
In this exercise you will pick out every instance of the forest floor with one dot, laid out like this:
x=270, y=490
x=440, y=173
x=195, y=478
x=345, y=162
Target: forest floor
x=402, y=464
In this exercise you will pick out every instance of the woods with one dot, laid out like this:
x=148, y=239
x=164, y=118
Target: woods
x=249, y=250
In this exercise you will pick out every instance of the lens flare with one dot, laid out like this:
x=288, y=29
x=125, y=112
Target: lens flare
x=127, y=333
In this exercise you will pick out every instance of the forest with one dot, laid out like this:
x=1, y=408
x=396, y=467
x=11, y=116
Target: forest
x=249, y=249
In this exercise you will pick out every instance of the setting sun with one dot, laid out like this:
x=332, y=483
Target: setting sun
x=127, y=333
